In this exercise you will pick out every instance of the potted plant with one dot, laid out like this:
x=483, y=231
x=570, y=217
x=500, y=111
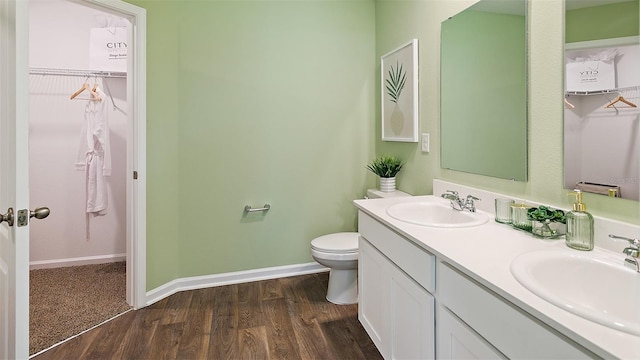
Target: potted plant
x=547, y=222
x=386, y=167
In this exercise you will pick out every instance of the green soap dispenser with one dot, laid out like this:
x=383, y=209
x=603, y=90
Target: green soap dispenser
x=579, y=225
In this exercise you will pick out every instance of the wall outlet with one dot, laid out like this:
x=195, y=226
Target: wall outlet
x=425, y=142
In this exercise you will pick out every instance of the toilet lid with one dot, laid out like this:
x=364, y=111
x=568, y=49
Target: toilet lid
x=345, y=242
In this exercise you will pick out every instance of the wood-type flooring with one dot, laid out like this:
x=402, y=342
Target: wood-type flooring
x=285, y=318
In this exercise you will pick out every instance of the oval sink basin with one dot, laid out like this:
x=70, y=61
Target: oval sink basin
x=594, y=285
x=434, y=214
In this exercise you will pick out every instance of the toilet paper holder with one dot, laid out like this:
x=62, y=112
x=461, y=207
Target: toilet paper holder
x=249, y=209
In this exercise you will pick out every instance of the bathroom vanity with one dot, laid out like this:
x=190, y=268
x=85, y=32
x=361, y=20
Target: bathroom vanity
x=448, y=292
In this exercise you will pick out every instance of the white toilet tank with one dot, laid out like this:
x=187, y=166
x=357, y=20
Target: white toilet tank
x=376, y=194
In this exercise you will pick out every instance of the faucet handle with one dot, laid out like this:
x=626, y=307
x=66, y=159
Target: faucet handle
x=634, y=242
x=469, y=204
x=632, y=252
x=453, y=192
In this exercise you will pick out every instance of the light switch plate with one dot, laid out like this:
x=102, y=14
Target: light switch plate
x=425, y=142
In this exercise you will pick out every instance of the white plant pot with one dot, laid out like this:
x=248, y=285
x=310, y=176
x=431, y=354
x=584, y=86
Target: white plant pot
x=388, y=184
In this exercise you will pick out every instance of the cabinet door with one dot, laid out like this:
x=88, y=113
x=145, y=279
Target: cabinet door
x=397, y=313
x=412, y=319
x=373, y=295
x=457, y=341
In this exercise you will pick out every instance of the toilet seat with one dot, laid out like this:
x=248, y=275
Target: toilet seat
x=338, y=243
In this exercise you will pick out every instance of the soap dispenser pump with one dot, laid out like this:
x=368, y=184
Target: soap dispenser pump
x=579, y=225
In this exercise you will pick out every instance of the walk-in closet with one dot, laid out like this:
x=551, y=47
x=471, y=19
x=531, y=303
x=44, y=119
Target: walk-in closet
x=77, y=149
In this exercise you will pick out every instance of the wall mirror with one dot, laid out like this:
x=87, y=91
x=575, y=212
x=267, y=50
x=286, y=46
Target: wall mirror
x=483, y=86
x=602, y=97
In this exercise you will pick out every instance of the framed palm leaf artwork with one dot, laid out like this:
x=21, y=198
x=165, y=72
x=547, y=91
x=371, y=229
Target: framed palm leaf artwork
x=399, y=80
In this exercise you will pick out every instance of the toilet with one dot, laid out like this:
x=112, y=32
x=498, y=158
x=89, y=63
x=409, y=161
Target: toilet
x=339, y=252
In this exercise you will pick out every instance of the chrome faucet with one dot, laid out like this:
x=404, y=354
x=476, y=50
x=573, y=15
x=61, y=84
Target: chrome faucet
x=632, y=252
x=459, y=204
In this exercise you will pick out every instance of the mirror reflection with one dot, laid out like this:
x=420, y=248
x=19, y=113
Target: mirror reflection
x=483, y=90
x=602, y=94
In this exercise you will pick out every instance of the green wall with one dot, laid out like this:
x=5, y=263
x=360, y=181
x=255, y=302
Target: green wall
x=398, y=20
x=254, y=102
x=267, y=101
x=602, y=22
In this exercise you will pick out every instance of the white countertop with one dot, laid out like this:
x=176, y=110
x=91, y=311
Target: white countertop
x=485, y=253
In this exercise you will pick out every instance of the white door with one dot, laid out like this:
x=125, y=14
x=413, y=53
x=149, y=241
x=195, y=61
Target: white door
x=14, y=168
x=14, y=179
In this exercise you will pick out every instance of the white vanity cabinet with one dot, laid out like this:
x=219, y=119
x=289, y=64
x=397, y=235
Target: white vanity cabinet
x=396, y=309
x=407, y=318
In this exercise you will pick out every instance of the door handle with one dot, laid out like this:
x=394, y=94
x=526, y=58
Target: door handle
x=8, y=217
x=24, y=215
x=40, y=213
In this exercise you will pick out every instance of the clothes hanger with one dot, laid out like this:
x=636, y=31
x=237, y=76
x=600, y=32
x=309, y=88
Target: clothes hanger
x=85, y=86
x=568, y=104
x=620, y=99
x=95, y=85
x=94, y=93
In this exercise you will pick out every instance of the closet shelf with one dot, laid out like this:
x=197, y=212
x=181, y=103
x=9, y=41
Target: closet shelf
x=599, y=92
x=80, y=73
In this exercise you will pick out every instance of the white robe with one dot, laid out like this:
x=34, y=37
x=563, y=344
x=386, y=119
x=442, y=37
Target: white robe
x=94, y=155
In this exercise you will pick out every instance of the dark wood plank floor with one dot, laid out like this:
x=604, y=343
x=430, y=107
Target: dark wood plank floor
x=285, y=318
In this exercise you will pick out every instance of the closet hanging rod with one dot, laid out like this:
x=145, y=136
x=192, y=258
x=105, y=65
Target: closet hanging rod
x=80, y=73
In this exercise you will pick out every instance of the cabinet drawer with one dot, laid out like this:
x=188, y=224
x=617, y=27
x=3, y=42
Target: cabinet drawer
x=419, y=264
x=507, y=327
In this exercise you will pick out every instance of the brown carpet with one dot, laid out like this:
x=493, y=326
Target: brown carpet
x=63, y=302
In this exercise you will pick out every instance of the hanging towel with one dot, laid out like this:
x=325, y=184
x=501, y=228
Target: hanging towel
x=94, y=155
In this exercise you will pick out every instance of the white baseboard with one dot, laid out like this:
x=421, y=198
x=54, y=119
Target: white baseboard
x=238, y=277
x=85, y=260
